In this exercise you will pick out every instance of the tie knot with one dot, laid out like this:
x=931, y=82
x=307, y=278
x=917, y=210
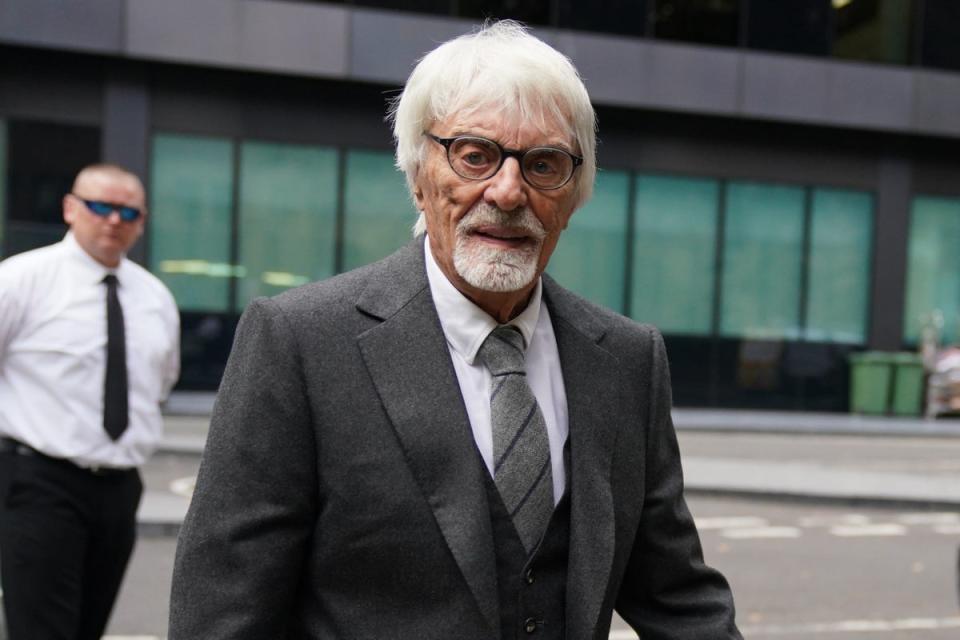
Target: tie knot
x=110, y=280
x=502, y=351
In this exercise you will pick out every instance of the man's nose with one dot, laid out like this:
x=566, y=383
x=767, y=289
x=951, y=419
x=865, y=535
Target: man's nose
x=507, y=189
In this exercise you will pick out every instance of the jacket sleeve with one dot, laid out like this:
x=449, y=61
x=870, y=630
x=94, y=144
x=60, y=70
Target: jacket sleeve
x=241, y=550
x=667, y=592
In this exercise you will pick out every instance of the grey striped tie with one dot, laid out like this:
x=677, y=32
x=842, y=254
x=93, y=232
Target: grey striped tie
x=521, y=450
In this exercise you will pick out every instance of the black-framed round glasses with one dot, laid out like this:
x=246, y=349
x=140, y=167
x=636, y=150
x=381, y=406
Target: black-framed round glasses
x=476, y=158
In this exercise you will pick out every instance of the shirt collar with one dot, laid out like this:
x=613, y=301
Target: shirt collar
x=466, y=325
x=88, y=268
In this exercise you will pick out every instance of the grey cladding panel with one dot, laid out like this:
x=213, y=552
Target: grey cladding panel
x=937, y=103
x=780, y=87
x=63, y=24
x=384, y=47
x=869, y=96
x=631, y=72
x=256, y=34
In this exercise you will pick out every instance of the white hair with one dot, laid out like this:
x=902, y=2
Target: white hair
x=500, y=66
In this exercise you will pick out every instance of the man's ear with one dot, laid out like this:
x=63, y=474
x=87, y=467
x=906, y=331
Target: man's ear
x=69, y=213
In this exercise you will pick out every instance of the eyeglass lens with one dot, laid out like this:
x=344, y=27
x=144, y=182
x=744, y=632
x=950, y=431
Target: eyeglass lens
x=127, y=214
x=478, y=159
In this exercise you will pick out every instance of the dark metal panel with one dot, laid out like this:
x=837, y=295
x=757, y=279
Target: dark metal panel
x=63, y=24
x=892, y=229
x=126, y=122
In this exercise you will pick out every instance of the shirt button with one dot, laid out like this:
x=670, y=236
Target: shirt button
x=528, y=576
x=530, y=625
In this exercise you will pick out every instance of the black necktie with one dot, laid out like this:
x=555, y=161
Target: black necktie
x=115, y=382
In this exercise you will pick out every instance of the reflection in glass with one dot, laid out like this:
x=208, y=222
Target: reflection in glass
x=191, y=200
x=378, y=214
x=674, y=247
x=705, y=21
x=288, y=206
x=591, y=255
x=940, y=45
x=838, y=279
x=933, y=266
x=791, y=26
x=763, y=245
x=877, y=30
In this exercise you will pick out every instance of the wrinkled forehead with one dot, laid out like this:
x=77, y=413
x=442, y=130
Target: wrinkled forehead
x=545, y=114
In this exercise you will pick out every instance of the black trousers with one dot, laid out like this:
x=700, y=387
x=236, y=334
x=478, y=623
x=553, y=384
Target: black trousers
x=66, y=535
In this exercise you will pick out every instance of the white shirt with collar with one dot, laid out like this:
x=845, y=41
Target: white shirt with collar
x=466, y=326
x=53, y=336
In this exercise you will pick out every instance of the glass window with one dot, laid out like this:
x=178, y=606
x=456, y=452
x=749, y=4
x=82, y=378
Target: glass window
x=378, y=213
x=288, y=209
x=674, y=248
x=940, y=44
x=706, y=21
x=876, y=30
x=591, y=256
x=43, y=158
x=440, y=7
x=191, y=194
x=763, y=245
x=839, y=266
x=626, y=17
x=792, y=26
x=933, y=266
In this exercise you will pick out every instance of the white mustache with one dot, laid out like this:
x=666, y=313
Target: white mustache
x=485, y=214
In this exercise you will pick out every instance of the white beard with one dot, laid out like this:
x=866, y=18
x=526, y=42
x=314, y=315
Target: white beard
x=491, y=268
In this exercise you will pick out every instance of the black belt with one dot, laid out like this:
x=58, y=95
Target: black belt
x=17, y=448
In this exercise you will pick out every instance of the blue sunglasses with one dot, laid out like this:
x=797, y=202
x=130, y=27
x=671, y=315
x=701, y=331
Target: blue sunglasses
x=104, y=209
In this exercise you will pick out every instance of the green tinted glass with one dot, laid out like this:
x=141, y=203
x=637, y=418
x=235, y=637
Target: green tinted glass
x=838, y=286
x=591, y=256
x=288, y=206
x=191, y=200
x=763, y=244
x=673, y=253
x=378, y=213
x=933, y=266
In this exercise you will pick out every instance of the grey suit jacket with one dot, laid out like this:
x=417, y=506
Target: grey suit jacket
x=340, y=493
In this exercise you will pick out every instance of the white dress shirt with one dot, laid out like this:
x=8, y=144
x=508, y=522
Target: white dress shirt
x=53, y=336
x=466, y=326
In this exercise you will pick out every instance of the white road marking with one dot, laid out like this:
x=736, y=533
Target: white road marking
x=851, y=626
x=930, y=518
x=733, y=522
x=829, y=521
x=761, y=532
x=880, y=529
x=948, y=529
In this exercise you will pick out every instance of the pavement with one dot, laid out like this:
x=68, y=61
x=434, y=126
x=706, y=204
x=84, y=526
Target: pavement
x=877, y=460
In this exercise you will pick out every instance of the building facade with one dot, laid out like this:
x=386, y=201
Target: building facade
x=779, y=182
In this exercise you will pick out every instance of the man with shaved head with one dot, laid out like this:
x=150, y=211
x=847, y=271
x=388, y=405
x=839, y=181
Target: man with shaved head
x=447, y=444
x=89, y=347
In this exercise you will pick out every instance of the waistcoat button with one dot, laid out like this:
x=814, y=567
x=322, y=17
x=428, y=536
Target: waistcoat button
x=530, y=625
x=528, y=576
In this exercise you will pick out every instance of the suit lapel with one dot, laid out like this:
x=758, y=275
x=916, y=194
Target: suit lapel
x=409, y=362
x=590, y=379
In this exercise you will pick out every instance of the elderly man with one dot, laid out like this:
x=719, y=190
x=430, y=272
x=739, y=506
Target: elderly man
x=447, y=444
x=89, y=346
